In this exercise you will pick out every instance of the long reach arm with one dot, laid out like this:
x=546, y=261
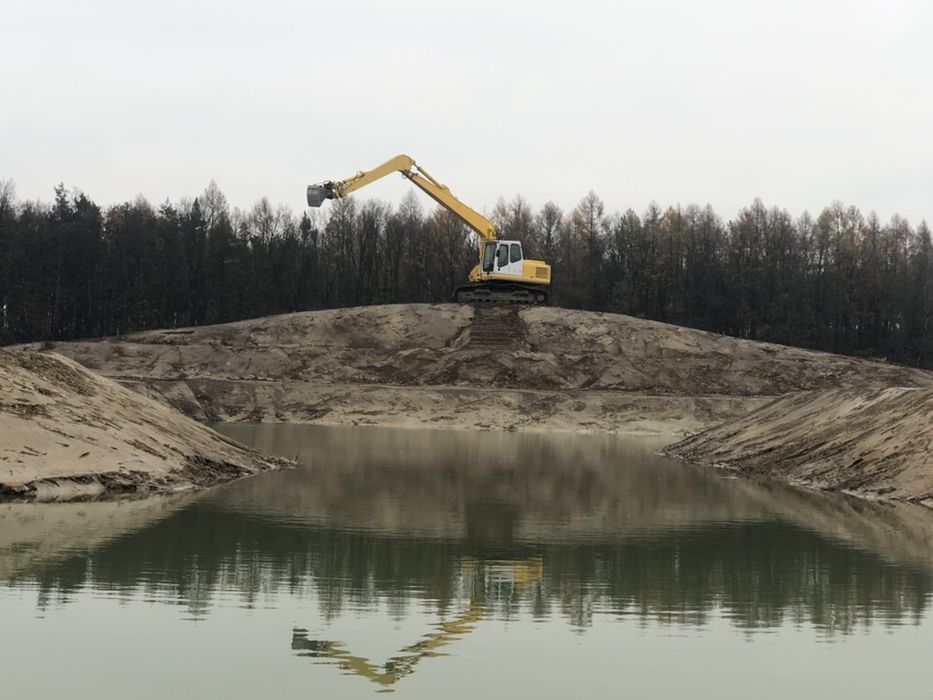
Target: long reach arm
x=418, y=175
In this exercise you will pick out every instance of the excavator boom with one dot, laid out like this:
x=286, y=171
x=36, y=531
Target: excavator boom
x=405, y=165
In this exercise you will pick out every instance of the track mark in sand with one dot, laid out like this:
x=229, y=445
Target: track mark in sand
x=496, y=327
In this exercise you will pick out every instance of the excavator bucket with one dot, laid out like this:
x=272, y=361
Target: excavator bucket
x=317, y=194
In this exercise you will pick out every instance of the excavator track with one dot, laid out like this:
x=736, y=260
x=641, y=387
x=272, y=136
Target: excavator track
x=490, y=293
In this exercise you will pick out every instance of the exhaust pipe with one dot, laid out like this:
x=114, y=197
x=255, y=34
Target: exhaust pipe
x=317, y=194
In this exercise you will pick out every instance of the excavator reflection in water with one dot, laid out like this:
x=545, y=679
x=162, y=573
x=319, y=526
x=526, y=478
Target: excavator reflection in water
x=491, y=574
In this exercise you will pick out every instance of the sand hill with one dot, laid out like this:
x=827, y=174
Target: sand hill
x=455, y=366
x=66, y=432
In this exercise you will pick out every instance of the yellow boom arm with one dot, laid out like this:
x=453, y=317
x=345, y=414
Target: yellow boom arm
x=418, y=175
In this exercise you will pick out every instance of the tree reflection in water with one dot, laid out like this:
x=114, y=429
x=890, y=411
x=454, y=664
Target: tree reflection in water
x=513, y=525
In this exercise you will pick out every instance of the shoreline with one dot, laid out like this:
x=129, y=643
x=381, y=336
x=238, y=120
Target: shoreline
x=457, y=407
x=407, y=366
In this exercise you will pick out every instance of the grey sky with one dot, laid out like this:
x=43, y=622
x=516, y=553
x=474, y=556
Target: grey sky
x=798, y=103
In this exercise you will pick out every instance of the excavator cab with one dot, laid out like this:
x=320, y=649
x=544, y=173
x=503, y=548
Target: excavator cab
x=509, y=258
x=502, y=258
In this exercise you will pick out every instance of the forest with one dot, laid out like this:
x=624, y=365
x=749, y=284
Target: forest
x=841, y=281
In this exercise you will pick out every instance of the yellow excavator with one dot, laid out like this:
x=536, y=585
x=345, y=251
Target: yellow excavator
x=503, y=273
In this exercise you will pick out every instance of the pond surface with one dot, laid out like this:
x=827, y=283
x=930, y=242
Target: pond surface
x=439, y=564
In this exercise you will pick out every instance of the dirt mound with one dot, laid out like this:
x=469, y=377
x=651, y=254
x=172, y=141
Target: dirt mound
x=355, y=365
x=449, y=344
x=874, y=443
x=611, y=351
x=66, y=432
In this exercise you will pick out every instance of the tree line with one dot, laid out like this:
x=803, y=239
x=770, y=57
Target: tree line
x=842, y=281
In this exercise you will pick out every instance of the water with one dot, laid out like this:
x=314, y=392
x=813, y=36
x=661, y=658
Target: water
x=443, y=564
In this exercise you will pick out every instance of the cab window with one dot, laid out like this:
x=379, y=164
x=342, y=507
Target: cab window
x=503, y=256
x=516, y=253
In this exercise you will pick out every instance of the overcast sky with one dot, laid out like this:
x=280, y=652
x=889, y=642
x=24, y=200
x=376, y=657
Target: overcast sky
x=797, y=102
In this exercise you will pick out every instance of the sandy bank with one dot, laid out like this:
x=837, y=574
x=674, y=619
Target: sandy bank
x=875, y=443
x=68, y=433
x=454, y=366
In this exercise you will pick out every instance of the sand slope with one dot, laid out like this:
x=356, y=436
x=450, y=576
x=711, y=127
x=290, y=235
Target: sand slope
x=66, y=432
x=458, y=366
x=875, y=443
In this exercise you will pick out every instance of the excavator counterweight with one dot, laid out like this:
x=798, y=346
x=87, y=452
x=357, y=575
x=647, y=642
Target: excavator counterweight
x=503, y=275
